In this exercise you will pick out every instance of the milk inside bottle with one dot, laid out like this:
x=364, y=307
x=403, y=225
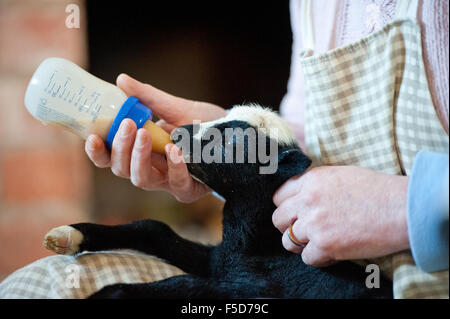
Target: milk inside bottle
x=63, y=94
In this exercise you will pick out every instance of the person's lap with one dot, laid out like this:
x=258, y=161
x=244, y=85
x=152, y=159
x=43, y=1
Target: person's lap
x=80, y=276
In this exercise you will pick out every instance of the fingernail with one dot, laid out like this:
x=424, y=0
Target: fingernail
x=91, y=145
x=125, y=129
x=122, y=77
x=175, y=154
x=141, y=139
x=169, y=154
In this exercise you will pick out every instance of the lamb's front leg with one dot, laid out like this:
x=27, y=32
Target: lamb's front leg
x=148, y=236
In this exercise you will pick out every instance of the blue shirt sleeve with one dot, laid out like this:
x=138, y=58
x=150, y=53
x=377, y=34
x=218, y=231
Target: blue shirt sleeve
x=428, y=210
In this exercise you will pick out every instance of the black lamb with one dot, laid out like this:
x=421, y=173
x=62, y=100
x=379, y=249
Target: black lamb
x=250, y=262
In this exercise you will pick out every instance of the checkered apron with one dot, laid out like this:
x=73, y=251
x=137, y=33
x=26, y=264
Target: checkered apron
x=368, y=104
x=79, y=276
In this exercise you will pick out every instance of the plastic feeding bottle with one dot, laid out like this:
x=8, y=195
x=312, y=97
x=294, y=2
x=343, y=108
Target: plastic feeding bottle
x=63, y=94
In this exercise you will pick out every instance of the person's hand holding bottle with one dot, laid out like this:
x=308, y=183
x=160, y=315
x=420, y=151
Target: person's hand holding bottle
x=131, y=155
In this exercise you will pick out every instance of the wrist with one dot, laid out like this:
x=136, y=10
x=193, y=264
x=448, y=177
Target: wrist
x=398, y=209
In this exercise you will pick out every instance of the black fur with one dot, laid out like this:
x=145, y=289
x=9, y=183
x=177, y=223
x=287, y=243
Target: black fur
x=250, y=261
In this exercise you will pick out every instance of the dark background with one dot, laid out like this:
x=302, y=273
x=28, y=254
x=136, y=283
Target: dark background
x=223, y=52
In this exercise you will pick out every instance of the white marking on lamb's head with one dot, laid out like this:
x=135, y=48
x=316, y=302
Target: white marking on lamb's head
x=261, y=118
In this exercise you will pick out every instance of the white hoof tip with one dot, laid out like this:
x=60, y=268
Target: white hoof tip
x=64, y=240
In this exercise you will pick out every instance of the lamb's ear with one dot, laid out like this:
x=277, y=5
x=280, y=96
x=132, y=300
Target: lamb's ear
x=292, y=162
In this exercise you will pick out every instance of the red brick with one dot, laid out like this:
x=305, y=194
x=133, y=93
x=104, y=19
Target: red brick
x=37, y=175
x=44, y=173
x=22, y=230
x=31, y=31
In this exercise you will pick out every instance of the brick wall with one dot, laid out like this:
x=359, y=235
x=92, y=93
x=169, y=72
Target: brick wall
x=44, y=173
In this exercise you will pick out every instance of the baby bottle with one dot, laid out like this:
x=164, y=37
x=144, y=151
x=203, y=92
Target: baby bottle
x=63, y=94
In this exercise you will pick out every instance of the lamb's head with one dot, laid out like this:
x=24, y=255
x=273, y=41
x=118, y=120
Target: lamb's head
x=250, y=150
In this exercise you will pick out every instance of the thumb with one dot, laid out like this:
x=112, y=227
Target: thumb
x=165, y=106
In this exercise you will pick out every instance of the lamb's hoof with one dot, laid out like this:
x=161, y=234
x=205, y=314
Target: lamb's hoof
x=63, y=240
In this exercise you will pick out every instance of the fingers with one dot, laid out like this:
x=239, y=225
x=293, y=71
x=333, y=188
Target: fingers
x=299, y=234
x=142, y=173
x=314, y=256
x=181, y=184
x=283, y=217
x=131, y=156
x=180, y=181
x=121, y=148
x=159, y=161
x=166, y=106
x=292, y=242
x=97, y=151
x=290, y=188
x=286, y=214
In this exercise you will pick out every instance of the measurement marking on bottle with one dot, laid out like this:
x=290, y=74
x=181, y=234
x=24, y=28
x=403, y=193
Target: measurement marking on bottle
x=67, y=81
x=54, y=93
x=50, y=81
x=94, y=97
x=62, y=93
x=78, y=101
x=95, y=112
x=81, y=90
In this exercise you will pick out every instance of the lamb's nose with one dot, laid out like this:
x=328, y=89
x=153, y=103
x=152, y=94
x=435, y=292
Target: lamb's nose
x=182, y=132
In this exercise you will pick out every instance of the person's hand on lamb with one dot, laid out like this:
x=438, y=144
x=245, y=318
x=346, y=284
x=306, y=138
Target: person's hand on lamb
x=342, y=213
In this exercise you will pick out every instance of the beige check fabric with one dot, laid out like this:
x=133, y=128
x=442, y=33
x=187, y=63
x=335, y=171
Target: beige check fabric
x=368, y=104
x=80, y=276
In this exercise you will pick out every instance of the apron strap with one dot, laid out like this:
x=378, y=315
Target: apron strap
x=307, y=28
x=407, y=9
